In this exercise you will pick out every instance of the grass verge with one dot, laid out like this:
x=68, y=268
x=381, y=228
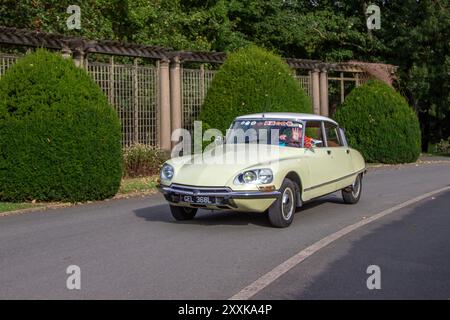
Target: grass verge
x=128, y=187
x=9, y=206
x=133, y=185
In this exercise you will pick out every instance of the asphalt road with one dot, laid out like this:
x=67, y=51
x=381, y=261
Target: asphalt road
x=411, y=249
x=132, y=248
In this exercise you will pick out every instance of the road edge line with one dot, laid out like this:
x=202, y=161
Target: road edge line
x=268, y=278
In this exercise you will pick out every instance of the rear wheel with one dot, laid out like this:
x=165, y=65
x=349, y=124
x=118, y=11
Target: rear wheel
x=183, y=213
x=352, y=193
x=281, y=213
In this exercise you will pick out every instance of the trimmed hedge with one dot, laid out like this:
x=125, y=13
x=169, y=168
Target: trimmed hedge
x=59, y=137
x=380, y=124
x=251, y=80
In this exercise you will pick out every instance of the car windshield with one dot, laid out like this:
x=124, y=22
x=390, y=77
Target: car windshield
x=275, y=132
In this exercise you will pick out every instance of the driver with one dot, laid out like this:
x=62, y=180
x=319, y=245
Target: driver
x=292, y=137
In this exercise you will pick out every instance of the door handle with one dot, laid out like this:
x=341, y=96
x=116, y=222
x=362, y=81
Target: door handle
x=329, y=151
x=348, y=151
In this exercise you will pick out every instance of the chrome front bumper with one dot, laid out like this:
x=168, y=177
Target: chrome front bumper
x=223, y=196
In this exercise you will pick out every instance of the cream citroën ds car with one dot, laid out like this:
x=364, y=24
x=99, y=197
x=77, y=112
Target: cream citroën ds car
x=308, y=158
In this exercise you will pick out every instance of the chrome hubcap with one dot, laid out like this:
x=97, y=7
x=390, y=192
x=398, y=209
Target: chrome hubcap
x=287, y=203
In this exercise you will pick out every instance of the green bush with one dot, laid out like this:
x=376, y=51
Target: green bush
x=251, y=80
x=443, y=146
x=59, y=137
x=140, y=160
x=380, y=124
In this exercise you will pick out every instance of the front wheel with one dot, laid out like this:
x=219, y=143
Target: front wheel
x=352, y=193
x=281, y=213
x=183, y=213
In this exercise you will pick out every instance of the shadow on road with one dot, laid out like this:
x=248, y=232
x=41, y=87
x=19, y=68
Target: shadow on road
x=162, y=213
x=204, y=217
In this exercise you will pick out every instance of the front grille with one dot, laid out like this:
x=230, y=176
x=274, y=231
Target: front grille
x=200, y=190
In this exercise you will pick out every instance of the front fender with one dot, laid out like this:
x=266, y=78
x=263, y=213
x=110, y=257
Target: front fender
x=281, y=169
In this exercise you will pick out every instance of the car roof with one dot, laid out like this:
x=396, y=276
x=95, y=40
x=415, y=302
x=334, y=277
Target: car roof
x=286, y=115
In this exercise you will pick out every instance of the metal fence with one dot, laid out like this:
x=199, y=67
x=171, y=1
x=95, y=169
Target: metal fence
x=133, y=91
x=6, y=61
x=194, y=85
x=305, y=83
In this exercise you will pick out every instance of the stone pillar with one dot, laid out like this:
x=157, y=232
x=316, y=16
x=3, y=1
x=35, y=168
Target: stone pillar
x=324, y=109
x=175, y=94
x=316, y=91
x=164, y=104
x=78, y=58
x=66, y=53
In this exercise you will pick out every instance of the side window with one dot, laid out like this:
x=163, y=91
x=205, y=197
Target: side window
x=332, y=133
x=313, y=135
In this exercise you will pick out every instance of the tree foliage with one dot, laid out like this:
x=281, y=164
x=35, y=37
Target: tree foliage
x=414, y=35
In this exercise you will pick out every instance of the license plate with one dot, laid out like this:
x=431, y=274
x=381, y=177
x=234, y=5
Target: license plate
x=198, y=199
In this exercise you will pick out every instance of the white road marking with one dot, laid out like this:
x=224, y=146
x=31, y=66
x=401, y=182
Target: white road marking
x=287, y=265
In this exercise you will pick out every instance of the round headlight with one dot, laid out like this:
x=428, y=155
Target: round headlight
x=167, y=172
x=249, y=176
x=265, y=176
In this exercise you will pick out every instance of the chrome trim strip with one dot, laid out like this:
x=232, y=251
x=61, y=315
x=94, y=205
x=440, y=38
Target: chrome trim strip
x=187, y=186
x=335, y=180
x=229, y=194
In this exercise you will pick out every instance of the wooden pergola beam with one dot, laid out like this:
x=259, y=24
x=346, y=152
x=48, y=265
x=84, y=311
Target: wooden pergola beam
x=82, y=46
x=31, y=38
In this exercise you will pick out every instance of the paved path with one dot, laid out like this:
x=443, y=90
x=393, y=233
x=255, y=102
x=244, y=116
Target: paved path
x=132, y=249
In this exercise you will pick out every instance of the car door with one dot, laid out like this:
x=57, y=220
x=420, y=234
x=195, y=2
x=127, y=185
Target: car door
x=339, y=154
x=319, y=161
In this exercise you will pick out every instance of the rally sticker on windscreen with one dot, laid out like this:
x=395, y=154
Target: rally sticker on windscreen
x=271, y=123
x=282, y=123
